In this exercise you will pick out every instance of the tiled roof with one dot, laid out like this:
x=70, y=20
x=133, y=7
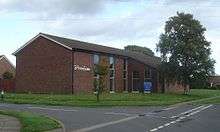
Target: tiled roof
x=152, y=61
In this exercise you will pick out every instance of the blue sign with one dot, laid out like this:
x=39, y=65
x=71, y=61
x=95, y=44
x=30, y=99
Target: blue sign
x=147, y=86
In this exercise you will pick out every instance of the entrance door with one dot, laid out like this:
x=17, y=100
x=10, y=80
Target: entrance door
x=136, y=83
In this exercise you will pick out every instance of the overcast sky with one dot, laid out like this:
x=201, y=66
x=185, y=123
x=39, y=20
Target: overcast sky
x=108, y=22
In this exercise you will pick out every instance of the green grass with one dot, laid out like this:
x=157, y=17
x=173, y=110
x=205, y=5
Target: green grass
x=211, y=101
x=117, y=99
x=33, y=122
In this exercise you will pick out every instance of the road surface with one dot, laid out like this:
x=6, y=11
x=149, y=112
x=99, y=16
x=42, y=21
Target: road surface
x=185, y=118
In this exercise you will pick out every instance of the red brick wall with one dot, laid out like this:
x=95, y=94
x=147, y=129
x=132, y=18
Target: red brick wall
x=44, y=67
x=5, y=66
x=83, y=80
x=119, y=85
x=174, y=88
x=134, y=65
x=155, y=80
x=7, y=85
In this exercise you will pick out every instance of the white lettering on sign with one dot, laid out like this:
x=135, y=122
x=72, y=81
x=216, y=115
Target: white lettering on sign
x=81, y=68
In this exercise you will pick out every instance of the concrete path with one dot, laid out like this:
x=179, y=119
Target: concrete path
x=9, y=124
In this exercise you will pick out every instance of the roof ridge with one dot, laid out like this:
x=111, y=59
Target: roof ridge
x=80, y=41
x=152, y=61
x=48, y=35
x=2, y=56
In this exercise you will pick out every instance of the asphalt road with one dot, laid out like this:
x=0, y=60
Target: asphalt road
x=185, y=118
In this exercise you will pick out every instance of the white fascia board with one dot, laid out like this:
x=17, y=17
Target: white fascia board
x=30, y=41
x=23, y=46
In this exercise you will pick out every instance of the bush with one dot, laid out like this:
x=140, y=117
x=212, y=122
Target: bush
x=8, y=75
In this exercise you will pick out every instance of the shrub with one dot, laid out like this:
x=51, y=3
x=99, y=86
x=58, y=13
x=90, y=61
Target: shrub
x=8, y=75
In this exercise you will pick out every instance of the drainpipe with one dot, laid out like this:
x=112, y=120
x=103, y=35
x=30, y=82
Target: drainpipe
x=72, y=70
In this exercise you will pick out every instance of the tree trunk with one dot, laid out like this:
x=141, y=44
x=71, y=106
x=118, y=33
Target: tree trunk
x=186, y=89
x=97, y=97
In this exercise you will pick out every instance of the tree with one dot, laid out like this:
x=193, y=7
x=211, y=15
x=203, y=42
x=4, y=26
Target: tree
x=7, y=75
x=101, y=72
x=139, y=49
x=185, y=52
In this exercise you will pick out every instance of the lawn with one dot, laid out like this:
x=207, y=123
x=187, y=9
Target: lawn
x=210, y=101
x=117, y=99
x=33, y=122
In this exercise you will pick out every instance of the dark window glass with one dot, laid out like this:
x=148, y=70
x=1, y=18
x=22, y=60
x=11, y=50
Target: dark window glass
x=136, y=74
x=125, y=64
x=136, y=85
x=96, y=82
x=111, y=62
x=96, y=59
x=111, y=73
x=147, y=73
x=125, y=84
x=124, y=74
x=111, y=85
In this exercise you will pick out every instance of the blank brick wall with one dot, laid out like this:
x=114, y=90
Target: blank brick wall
x=44, y=67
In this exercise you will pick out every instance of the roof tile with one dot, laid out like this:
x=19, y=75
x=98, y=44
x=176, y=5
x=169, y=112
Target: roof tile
x=152, y=61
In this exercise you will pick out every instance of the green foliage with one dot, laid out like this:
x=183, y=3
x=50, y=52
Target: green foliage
x=8, y=75
x=185, y=52
x=139, y=49
x=101, y=70
x=33, y=122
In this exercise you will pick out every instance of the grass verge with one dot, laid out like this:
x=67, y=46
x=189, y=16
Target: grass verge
x=117, y=99
x=33, y=122
x=211, y=100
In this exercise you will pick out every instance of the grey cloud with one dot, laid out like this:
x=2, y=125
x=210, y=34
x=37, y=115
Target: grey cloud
x=53, y=7
x=142, y=28
x=190, y=1
x=117, y=28
x=146, y=23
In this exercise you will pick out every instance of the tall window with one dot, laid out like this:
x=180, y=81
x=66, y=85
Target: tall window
x=136, y=84
x=125, y=67
x=111, y=62
x=147, y=73
x=136, y=75
x=112, y=73
x=96, y=59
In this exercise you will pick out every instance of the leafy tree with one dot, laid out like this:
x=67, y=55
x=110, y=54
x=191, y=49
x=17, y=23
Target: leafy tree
x=7, y=75
x=101, y=72
x=185, y=52
x=139, y=49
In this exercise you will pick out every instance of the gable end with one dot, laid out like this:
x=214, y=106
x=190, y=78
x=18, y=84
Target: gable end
x=39, y=35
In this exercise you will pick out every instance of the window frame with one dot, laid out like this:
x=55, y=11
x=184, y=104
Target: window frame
x=147, y=76
x=135, y=91
x=125, y=75
x=112, y=70
x=94, y=55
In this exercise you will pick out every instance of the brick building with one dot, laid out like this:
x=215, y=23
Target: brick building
x=214, y=81
x=52, y=64
x=6, y=66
